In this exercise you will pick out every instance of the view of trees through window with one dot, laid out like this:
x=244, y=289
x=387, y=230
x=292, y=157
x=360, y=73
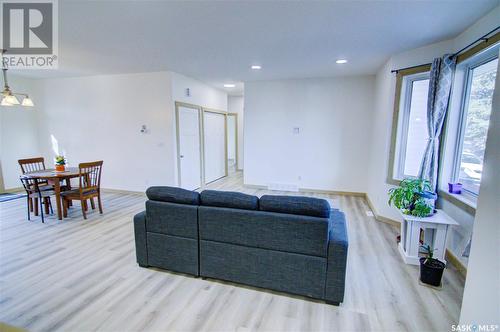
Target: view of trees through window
x=480, y=90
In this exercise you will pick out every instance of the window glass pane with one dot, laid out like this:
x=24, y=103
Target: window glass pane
x=482, y=85
x=417, y=127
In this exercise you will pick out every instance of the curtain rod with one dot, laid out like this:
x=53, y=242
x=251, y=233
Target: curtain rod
x=482, y=38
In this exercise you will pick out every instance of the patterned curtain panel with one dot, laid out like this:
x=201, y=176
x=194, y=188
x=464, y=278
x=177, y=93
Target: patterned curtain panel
x=442, y=72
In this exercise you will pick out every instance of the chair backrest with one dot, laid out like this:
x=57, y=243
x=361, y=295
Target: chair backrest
x=32, y=164
x=90, y=176
x=30, y=185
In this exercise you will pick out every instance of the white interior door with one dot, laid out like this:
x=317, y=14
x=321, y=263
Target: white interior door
x=214, y=125
x=189, y=153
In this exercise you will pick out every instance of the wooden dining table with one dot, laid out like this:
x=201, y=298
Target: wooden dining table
x=54, y=178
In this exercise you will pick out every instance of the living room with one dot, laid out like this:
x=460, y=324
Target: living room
x=240, y=173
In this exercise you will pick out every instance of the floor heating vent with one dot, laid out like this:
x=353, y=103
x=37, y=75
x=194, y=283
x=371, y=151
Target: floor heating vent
x=283, y=187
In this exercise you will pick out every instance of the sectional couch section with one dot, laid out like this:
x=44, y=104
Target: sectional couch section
x=290, y=244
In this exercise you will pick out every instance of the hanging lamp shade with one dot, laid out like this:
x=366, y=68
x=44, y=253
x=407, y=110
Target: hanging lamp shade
x=11, y=99
x=5, y=102
x=27, y=102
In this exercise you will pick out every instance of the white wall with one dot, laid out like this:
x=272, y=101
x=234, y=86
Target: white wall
x=481, y=301
x=235, y=105
x=201, y=94
x=382, y=123
x=18, y=133
x=331, y=150
x=100, y=117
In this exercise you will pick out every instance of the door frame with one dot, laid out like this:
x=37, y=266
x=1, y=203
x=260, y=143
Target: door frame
x=235, y=138
x=201, y=115
x=211, y=110
x=177, y=134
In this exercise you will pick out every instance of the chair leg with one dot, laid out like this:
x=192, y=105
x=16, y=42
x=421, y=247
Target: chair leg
x=50, y=205
x=84, y=208
x=46, y=204
x=85, y=205
x=65, y=207
x=35, y=205
x=28, y=201
x=41, y=209
x=99, y=202
x=92, y=203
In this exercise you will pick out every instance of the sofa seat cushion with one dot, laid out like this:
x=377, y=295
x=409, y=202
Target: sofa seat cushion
x=229, y=199
x=173, y=195
x=307, y=206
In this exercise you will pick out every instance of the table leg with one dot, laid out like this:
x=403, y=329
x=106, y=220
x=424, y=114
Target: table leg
x=57, y=190
x=414, y=239
x=440, y=242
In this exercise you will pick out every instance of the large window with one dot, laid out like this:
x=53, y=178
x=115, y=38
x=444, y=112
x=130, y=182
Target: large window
x=480, y=74
x=415, y=137
x=411, y=135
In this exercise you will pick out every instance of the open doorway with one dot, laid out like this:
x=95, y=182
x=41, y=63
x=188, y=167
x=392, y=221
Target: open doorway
x=232, y=142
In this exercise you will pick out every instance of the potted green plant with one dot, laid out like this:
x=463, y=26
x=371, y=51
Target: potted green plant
x=413, y=197
x=431, y=269
x=60, y=163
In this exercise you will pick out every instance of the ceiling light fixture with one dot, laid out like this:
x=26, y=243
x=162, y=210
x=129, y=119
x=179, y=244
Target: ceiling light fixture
x=256, y=67
x=341, y=61
x=8, y=97
x=229, y=85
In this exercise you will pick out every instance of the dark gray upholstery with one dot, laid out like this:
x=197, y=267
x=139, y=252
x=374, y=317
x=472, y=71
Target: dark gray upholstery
x=173, y=195
x=229, y=199
x=166, y=235
x=302, y=252
x=306, y=206
x=278, y=270
x=173, y=253
x=172, y=219
x=141, y=249
x=337, y=258
x=276, y=231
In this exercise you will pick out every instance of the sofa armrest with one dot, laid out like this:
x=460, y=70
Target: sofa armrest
x=337, y=258
x=141, y=249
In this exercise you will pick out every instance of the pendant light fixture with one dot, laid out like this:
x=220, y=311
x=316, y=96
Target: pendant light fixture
x=8, y=97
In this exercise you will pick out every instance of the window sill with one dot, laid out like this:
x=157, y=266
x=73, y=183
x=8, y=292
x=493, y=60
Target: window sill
x=460, y=200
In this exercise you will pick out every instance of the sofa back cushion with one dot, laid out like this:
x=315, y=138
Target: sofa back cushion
x=307, y=206
x=173, y=195
x=229, y=199
x=267, y=230
x=172, y=219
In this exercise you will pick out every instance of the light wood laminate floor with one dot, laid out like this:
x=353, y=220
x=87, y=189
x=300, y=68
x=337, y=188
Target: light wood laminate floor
x=79, y=275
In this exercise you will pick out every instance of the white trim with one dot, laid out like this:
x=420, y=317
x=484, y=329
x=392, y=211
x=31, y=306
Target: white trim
x=404, y=122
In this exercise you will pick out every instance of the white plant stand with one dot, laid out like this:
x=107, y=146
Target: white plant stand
x=435, y=230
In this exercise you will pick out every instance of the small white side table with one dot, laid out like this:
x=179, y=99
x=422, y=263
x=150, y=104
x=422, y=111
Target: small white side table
x=435, y=230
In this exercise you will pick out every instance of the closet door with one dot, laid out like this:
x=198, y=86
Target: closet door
x=214, y=125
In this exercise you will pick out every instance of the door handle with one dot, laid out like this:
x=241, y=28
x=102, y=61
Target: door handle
x=182, y=156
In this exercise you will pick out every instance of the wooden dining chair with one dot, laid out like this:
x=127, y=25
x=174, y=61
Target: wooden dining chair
x=33, y=192
x=33, y=165
x=89, y=187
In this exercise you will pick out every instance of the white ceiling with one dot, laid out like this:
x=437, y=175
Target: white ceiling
x=217, y=41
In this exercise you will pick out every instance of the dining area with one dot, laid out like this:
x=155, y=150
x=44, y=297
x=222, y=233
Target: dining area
x=61, y=185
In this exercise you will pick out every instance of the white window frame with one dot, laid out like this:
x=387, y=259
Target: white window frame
x=404, y=123
x=466, y=68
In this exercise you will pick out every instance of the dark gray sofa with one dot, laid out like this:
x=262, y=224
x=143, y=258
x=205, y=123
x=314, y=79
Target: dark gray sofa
x=290, y=244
